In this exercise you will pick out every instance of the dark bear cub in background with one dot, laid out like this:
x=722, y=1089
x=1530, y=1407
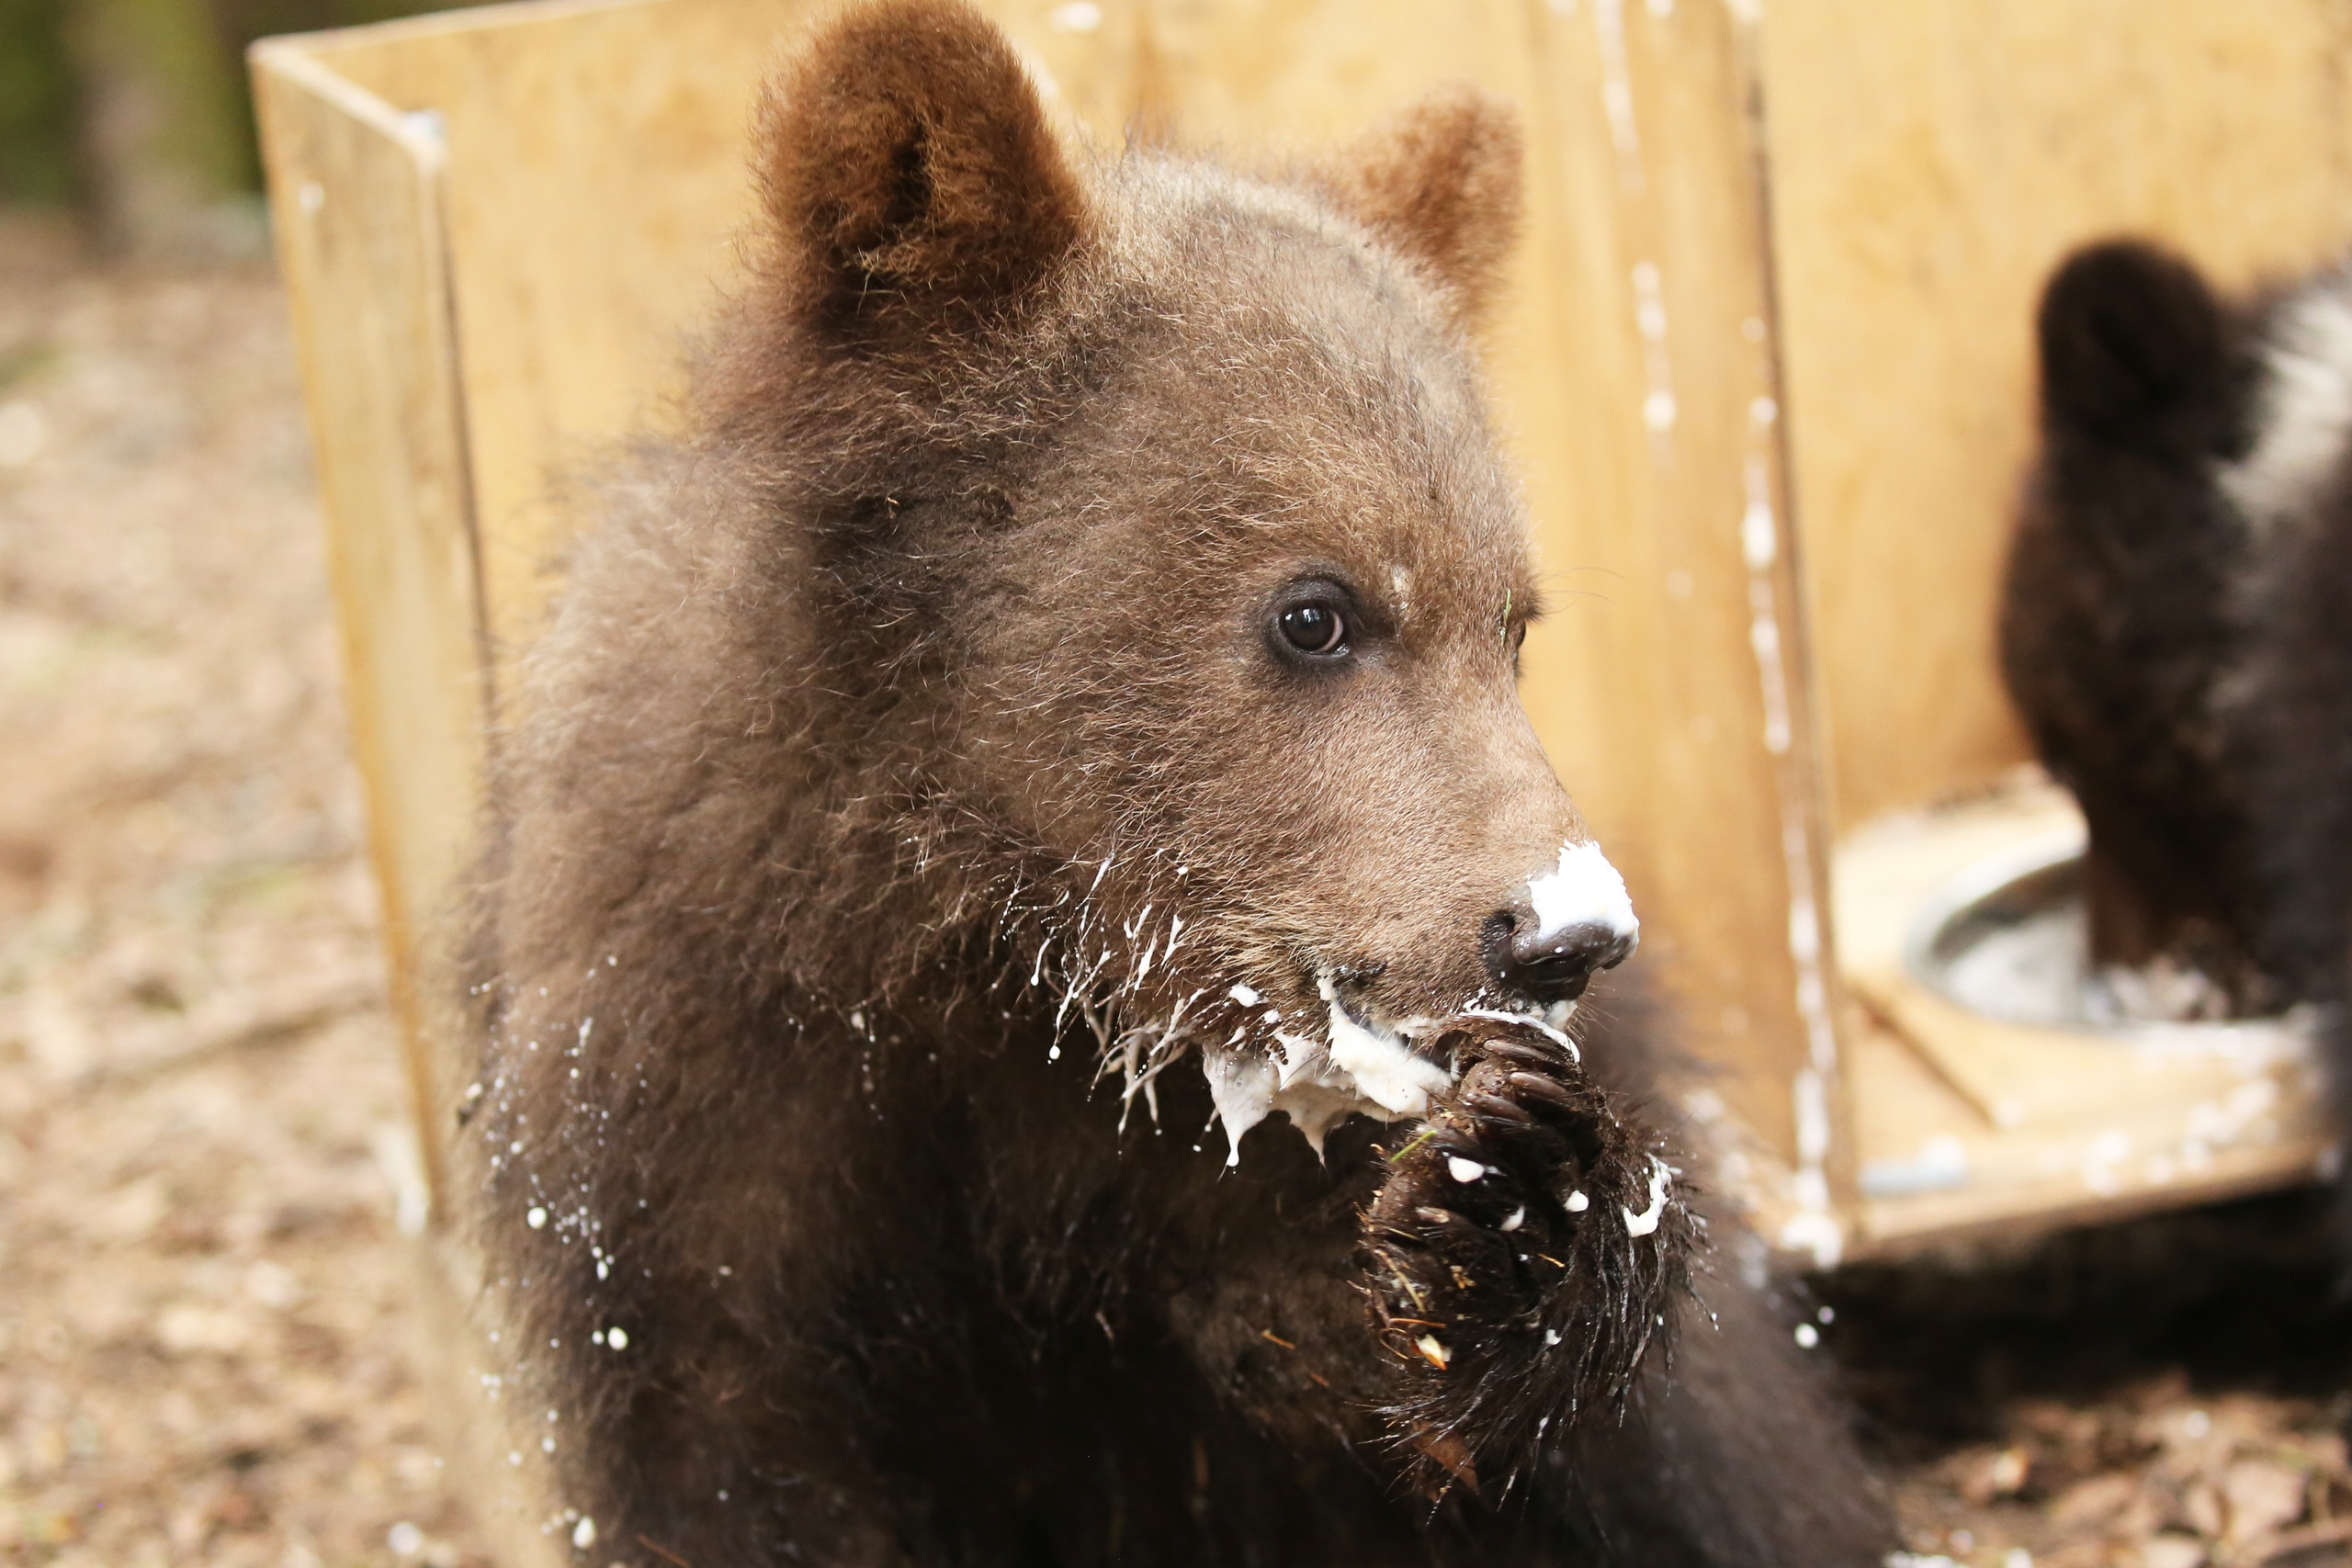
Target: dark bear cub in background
x=2120, y=614
x=2177, y=626
x=1059, y=699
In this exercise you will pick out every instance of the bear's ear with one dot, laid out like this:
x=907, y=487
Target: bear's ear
x=1441, y=183
x=910, y=174
x=2135, y=351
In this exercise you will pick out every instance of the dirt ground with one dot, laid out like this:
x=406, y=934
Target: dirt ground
x=201, y=1289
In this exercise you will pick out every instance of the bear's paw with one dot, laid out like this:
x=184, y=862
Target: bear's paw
x=1519, y=1257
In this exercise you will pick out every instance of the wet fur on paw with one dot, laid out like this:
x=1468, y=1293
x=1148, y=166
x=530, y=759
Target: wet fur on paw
x=1520, y=1257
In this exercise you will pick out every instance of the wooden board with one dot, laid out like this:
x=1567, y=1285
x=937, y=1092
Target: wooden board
x=1932, y=1169
x=1931, y=162
x=358, y=190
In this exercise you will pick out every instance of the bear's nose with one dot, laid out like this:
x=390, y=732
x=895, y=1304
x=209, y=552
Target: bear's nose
x=1552, y=965
x=1566, y=926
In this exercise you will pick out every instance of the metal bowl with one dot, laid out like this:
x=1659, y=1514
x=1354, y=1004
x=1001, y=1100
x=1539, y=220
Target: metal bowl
x=2008, y=938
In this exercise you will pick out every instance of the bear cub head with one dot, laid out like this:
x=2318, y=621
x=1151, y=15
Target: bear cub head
x=1155, y=564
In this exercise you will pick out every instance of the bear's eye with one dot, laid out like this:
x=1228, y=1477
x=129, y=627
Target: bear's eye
x=1317, y=628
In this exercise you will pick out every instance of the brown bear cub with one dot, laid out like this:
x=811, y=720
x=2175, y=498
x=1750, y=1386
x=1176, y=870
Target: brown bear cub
x=2177, y=623
x=1058, y=702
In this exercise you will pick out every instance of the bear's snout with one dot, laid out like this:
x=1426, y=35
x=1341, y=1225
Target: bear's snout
x=1562, y=927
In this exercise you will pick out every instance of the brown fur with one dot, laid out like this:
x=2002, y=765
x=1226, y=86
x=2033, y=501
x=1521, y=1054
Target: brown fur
x=1440, y=183
x=912, y=771
x=910, y=168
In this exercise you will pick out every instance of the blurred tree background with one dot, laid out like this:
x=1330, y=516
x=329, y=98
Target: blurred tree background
x=136, y=114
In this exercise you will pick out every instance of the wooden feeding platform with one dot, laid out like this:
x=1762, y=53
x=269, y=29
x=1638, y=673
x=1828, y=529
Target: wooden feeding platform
x=1765, y=367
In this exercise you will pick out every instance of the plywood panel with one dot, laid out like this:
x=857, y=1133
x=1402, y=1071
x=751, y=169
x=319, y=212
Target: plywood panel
x=1659, y=467
x=1931, y=162
x=356, y=191
x=360, y=245
x=599, y=200
x=1931, y=1167
x=596, y=187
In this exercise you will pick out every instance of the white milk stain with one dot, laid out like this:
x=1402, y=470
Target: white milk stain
x=1647, y=1220
x=1356, y=1069
x=1558, y=1036
x=1659, y=407
x=1617, y=91
x=1371, y=1067
x=1814, y=1228
x=1583, y=889
x=1380, y=1062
